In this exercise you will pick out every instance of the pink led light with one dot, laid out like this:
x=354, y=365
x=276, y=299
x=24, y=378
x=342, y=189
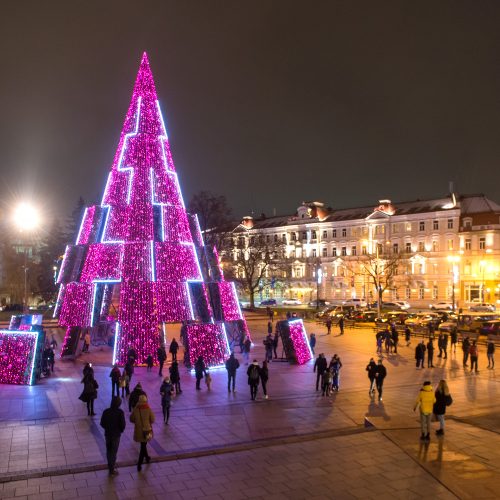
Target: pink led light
x=176, y=224
x=229, y=301
x=103, y=262
x=176, y=262
x=87, y=224
x=17, y=353
x=208, y=341
x=76, y=307
x=172, y=301
x=298, y=336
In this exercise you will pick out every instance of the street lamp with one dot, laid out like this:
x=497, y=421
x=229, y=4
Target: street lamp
x=454, y=259
x=27, y=219
x=482, y=266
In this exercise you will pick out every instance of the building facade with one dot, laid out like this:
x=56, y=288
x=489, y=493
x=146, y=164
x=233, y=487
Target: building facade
x=422, y=251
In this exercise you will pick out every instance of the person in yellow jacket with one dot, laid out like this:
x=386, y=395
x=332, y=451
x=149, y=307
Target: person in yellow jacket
x=425, y=401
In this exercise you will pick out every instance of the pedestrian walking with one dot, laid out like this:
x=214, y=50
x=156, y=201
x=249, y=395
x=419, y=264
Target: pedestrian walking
x=341, y=325
x=174, y=347
x=200, y=371
x=380, y=340
x=51, y=358
x=326, y=383
x=275, y=342
x=115, y=375
x=129, y=370
x=328, y=325
x=335, y=366
x=175, y=377
x=430, y=354
x=407, y=336
x=162, y=356
x=166, y=390
x=490, y=352
x=89, y=393
x=86, y=342
x=371, y=368
x=149, y=363
x=473, y=356
x=113, y=423
x=264, y=377
x=124, y=384
x=425, y=402
x=388, y=340
x=232, y=364
x=246, y=349
x=465, y=350
x=420, y=354
x=134, y=396
x=253, y=379
x=312, y=342
x=380, y=375
x=268, y=345
x=320, y=366
x=131, y=355
x=443, y=399
x=88, y=369
x=394, y=338
x=440, y=345
x=53, y=342
x=143, y=419
x=454, y=339
x=269, y=327
x=445, y=345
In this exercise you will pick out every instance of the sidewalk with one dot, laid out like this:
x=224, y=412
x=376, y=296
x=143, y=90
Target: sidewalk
x=46, y=431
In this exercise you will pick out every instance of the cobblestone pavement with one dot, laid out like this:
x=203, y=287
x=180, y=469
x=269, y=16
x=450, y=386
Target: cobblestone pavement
x=45, y=430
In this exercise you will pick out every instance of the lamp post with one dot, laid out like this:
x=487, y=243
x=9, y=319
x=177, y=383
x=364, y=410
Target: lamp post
x=454, y=259
x=482, y=265
x=26, y=218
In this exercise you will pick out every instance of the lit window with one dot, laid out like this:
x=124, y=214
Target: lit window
x=408, y=226
x=435, y=292
x=421, y=246
x=450, y=244
x=435, y=246
x=364, y=250
x=408, y=293
x=421, y=292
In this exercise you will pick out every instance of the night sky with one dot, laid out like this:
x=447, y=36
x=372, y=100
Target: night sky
x=267, y=102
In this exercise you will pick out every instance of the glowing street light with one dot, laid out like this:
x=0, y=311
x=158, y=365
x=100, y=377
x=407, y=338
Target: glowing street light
x=27, y=219
x=454, y=259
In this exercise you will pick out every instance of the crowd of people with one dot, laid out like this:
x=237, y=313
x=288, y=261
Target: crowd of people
x=328, y=380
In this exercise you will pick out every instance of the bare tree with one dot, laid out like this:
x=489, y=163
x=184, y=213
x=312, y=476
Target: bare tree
x=381, y=270
x=254, y=262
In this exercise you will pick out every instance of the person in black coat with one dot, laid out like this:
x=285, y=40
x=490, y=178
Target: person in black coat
x=264, y=377
x=320, y=367
x=371, y=368
x=175, y=377
x=443, y=399
x=420, y=354
x=430, y=354
x=129, y=370
x=113, y=423
x=380, y=375
x=395, y=338
x=162, y=356
x=253, y=373
x=200, y=371
x=232, y=364
x=275, y=342
x=134, y=396
x=174, y=347
x=89, y=392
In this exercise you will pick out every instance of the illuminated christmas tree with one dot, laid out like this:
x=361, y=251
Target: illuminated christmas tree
x=140, y=250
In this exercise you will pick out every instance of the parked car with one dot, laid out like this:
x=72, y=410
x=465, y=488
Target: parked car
x=318, y=303
x=398, y=317
x=292, y=302
x=355, y=302
x=365, y=316
x=491, y=328
x=268, y=302
x=423, y=319
x=325, y=312
x=441, y=305
x=403, y=304
x=448, y=326
x=482, y=307
x=473, y=322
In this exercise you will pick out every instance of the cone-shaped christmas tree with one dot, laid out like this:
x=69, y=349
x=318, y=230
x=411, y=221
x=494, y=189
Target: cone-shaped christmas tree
x=136, y=253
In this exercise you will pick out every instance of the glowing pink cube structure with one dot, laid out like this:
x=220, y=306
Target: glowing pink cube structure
x=18, y=353
x=300, y=348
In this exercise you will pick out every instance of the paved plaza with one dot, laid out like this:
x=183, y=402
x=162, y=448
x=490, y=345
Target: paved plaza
x=297, y=444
